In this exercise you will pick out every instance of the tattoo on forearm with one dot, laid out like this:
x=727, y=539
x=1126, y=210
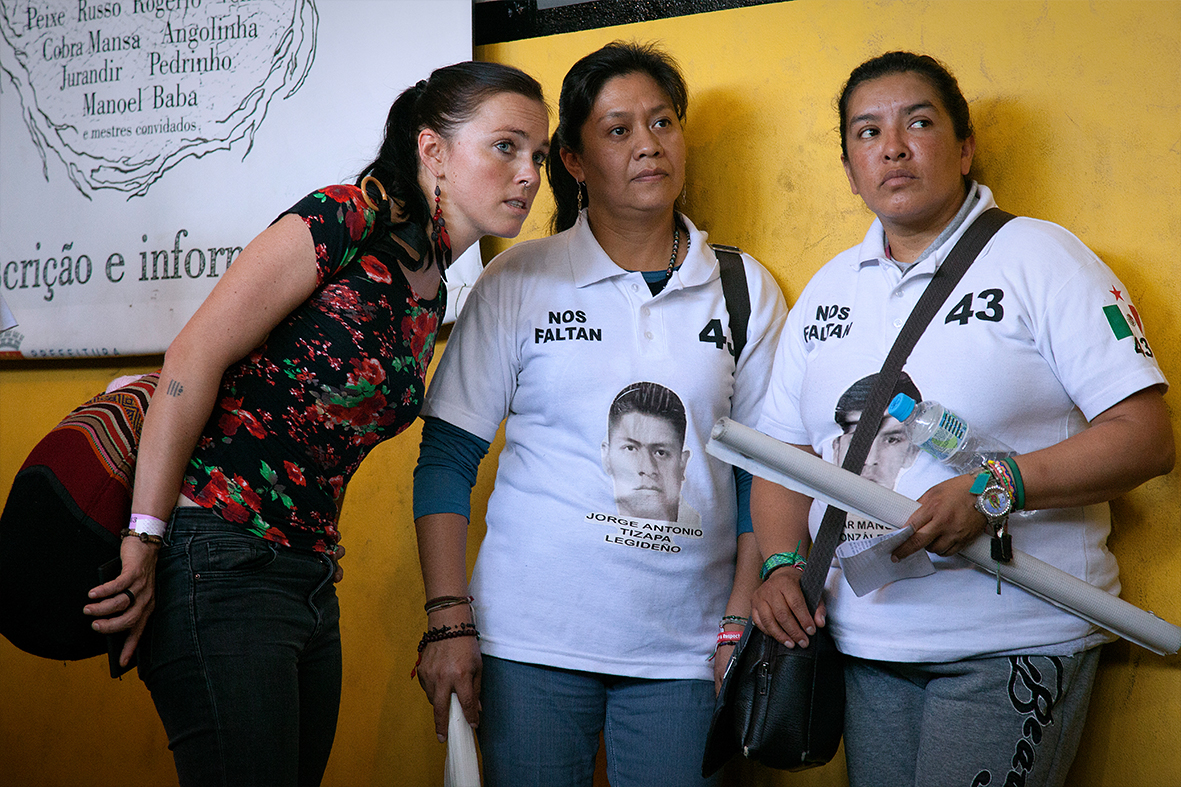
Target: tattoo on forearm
x=175, y=388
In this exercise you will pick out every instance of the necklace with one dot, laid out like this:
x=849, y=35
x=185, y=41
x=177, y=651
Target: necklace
x=672, y=261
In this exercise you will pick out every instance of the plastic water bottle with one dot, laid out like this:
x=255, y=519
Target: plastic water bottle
x=945, y=435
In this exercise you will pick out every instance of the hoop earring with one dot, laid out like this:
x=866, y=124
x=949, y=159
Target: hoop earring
x=365, y=191
x=439, y=237
x=579, y=186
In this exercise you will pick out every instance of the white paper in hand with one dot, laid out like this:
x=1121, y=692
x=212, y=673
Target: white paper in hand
x=867, y=564
x=461, y=769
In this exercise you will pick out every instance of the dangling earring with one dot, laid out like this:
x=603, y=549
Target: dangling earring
x=579, y=187
x=439, y=237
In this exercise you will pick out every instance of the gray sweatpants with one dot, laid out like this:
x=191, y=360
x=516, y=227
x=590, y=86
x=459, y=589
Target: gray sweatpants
x=1013, y=720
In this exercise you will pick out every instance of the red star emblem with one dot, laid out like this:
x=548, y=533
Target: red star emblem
x=1118, y=295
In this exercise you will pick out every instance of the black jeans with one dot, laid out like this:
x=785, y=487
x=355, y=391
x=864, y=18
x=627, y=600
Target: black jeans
x=242, y=655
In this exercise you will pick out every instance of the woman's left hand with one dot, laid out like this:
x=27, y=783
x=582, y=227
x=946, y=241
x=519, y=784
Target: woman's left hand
x=946, y=521
x=126, y=602
x=722, y=660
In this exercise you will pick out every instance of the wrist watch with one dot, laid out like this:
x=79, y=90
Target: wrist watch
x=992, y=499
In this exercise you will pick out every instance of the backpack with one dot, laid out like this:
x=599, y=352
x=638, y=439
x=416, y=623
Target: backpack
x=69, y=503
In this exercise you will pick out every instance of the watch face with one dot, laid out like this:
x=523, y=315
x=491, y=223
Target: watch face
x=994, y=501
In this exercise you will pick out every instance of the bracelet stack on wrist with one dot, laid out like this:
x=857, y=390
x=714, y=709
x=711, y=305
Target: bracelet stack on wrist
x=1006, y=472
x=446, y=602
x=726, y=638
x=148, y=529
x=440, y=633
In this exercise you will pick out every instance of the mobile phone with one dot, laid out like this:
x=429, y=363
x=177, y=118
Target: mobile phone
x=106, y=572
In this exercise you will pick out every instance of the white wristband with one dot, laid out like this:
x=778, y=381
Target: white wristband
x=142, y=523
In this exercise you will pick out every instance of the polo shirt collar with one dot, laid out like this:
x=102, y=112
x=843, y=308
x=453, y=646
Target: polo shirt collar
x=872, y=250
x=590, y=264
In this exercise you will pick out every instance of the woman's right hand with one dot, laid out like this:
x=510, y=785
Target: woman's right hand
x=126, y=602
x=779, y=609
x=451, y=665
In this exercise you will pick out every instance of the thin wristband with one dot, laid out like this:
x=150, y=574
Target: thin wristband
x=148, y=525
x=1018, y=483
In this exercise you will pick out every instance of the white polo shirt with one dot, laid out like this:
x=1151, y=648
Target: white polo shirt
x=552, y=332
x=1038, y=337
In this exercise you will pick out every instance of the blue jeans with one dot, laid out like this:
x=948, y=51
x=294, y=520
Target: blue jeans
x=540, y=727
x=242, y=655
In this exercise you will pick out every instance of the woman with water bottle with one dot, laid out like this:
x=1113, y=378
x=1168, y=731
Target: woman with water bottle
x=1038, y=346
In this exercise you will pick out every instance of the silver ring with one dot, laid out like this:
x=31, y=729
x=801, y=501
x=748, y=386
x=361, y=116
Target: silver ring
x=130, y=596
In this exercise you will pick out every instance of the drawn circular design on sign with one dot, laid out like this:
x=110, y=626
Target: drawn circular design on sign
x=123, y=90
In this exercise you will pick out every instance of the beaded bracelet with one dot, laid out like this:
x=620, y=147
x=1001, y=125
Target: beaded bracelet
x=441, y=633
x=444, y=602
x=999, y=470
x=736, y=620
x=147, y=538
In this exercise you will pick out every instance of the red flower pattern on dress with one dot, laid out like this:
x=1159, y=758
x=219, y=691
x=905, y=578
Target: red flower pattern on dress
x=421, y=326
x=378, y=272
x=338, y=375
x=367, y=369
x=355, y=221
x=276, y=535
x=235, y=416
x=294, y=473
x=341, y=193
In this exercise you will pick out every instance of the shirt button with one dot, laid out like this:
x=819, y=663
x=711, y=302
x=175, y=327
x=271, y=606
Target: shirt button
x=645, y=311
x=635, y=288
x=897, y=293
x=898, y=323
x=648, y=335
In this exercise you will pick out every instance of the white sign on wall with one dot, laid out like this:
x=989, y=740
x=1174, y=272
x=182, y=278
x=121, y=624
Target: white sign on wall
x=143, y=143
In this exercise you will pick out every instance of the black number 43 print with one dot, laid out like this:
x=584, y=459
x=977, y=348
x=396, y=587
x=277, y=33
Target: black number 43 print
x=992, y=311
x=712, y=333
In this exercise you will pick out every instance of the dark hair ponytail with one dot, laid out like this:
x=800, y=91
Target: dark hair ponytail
x=443, y=103
x=580, y=90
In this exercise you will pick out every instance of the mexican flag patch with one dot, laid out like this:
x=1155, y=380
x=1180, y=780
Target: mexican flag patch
x=1125, y=322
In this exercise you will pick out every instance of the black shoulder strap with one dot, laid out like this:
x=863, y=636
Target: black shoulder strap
x=736, y=293
x=942, y=283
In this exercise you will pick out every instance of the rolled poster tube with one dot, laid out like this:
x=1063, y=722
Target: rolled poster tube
x=810, y=475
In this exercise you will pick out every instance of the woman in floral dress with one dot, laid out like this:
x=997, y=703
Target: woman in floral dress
x=311, y=350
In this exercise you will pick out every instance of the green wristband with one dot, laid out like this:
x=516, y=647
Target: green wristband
x=779, y=560
x=1018, y=484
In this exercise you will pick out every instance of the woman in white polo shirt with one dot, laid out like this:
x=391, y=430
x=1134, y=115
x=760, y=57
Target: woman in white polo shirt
x=949, y=682
x=610, y=552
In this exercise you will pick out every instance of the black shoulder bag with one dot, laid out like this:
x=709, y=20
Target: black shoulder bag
x=785, y=707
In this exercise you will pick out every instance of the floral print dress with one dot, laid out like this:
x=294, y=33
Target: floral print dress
x=343, y=372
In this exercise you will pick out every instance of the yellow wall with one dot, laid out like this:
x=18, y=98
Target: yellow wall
x=1078, y=112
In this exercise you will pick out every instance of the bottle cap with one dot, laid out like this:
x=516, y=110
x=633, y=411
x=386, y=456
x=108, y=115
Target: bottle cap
x=901, y=406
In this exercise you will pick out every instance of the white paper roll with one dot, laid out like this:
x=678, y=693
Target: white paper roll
x=810, y=475
x=462, y=769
